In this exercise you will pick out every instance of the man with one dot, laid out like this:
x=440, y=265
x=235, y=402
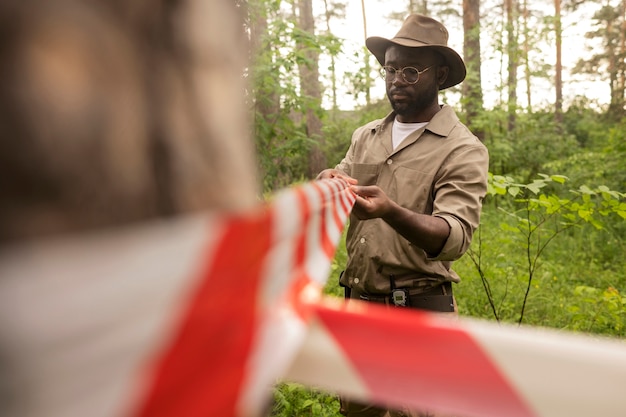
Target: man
x=419, y=175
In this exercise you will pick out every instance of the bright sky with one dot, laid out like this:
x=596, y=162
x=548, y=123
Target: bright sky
x=351, y=29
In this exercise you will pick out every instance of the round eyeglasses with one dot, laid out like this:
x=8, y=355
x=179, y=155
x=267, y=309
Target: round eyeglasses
x=409, y=74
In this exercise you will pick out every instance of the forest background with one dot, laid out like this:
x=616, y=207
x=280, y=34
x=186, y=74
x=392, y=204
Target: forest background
x=551, y=244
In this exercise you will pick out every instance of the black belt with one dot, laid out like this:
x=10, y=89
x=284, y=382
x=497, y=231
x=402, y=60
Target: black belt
x=438, y=298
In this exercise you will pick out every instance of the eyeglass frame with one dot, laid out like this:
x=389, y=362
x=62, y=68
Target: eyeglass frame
x=384, y=73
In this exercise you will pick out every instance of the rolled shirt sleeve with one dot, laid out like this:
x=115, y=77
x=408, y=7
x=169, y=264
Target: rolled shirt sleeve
x=458, y=199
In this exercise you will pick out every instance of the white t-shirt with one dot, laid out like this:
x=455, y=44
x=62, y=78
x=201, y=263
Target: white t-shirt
x=401, y=130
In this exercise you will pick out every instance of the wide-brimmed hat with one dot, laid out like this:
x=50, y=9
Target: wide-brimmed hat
x=420, y=31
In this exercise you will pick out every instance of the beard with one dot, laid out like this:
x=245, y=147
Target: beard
x=418, y=104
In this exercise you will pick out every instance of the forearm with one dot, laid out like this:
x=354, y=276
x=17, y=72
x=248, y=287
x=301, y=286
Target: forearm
x=424, y=231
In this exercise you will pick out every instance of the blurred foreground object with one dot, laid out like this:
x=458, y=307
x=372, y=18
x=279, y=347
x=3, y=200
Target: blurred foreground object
x=197, y=316
x=113, y=112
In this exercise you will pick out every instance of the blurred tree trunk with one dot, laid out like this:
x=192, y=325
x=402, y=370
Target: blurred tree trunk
x=310, y=87
x=368, y=70
x=512, y=53
x=266, y=107
x=613, y=24
x=333, y=72
x=267, y=100
x=558, y=81
x=526, y=58
x=472, y=89
x=621, y=79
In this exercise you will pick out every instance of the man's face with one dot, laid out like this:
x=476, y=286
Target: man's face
x=409, y=100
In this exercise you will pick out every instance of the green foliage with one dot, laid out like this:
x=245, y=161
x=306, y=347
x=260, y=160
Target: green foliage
x=604, y=151
x=295, y=400
x=339, y=126
x=588, y=147
x=338, y=265
x=536, y=214
x=598, y=310
x=279, y=108
x=360, y=77
x=536, y=141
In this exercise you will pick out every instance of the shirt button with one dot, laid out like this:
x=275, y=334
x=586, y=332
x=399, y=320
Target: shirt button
x=362, y=240
x=356, y=280
x=389, y=162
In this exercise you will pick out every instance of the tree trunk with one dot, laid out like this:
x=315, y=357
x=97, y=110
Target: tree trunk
x=527, y=71
x=621, y=86
x=311, y=90
x=613, y=65
x=368, y=80
x=472, y=89
x=267, y=103
x=614, y=44
x=333, y=72
x=510, y=7
x=558, y=82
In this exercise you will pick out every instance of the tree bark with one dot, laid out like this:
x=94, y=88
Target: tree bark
x=267, y=103
x=333, y=72
x=311, y=90
x=558, y=81
x=510, y=7
x=472, y=88
x=527, y=70
x=368, y=80
x=622, y=65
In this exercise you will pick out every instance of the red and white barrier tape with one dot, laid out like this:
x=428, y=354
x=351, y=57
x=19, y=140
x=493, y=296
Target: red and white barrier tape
x=200, y=316
x=459, y=366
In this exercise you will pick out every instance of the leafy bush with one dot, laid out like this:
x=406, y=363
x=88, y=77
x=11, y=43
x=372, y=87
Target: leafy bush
x=295, y=400
x=532, y=222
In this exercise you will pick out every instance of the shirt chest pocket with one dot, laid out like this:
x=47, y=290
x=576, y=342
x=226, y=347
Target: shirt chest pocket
x=366, y=174
x=411, y=188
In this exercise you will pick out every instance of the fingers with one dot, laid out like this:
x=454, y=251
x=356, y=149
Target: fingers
x=325, y=174
x=365, y=191
x=348, y=179
x=334, y=173
x=371, y=202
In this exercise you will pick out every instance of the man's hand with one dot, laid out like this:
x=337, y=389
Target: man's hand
x=335, y=173
x=371, y=202
x=427, y=232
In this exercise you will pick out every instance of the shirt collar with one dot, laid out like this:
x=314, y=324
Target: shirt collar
x=441, y=124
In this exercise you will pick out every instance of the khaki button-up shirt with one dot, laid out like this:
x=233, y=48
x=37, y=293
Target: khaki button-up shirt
x=440, y=170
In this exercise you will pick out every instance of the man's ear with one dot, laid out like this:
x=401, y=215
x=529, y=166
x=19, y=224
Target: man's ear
x=442, y=74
